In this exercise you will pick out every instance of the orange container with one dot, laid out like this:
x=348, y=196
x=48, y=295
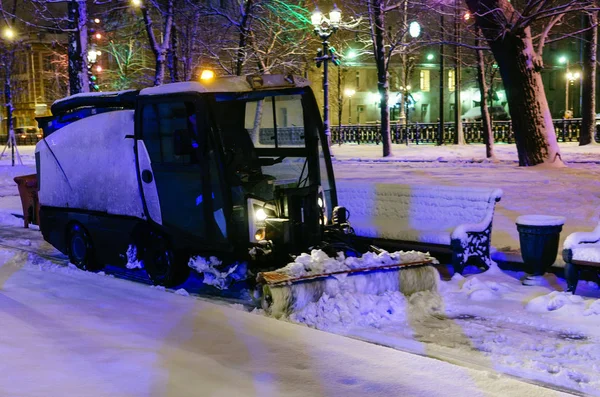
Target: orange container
x=28, y=190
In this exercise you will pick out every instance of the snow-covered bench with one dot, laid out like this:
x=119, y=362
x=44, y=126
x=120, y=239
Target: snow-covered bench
x=437, y=218
x=580, y=250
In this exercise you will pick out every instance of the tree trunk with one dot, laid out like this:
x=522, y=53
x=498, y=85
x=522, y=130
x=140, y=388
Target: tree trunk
x=257, y=122
x=458, y=126
x=405, y=71
x=191, y=34
x=382, y=74
x=78, y=68
x=340, y=102
x=8, y=94
x=520, y=70
x=159, y=69
x=244, y=29
x=486, y=123
x=159, y=49
x=588, y=102
x=173, y=59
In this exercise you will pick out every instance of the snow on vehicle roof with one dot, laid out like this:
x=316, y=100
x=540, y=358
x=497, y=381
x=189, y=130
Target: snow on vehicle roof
x=230, y=84
x=92, y=94
x=173, y=88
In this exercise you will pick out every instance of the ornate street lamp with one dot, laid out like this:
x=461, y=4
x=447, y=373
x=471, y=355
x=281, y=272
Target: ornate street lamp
x=324, y=28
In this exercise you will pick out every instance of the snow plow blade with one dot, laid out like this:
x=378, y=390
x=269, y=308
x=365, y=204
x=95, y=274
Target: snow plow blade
x=284, y=293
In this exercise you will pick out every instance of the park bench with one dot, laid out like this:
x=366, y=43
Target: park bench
x=446, y=219
x=581, y=250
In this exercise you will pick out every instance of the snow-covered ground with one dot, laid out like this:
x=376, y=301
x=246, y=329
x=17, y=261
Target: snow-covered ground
x=71, y=333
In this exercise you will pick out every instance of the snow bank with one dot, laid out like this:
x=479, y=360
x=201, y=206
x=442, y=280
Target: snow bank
x=593, y=309
x=487, y=286
x=318, y=262
x=347, y=310
x=216, y=274
x=554, y=301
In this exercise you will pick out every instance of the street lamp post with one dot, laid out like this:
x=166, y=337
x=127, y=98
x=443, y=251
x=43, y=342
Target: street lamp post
x=324, y=28
x=440, y=137
x=406, y=99
x=564, y=60
x=571, y=77
x=349, y=92
x=9, y=35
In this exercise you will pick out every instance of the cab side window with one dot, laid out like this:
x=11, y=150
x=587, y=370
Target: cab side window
x=171, y=132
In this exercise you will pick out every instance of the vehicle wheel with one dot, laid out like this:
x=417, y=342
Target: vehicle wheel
x=165, y=266
x=80, y=248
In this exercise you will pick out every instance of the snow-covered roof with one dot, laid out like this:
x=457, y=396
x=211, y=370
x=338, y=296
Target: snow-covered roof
x=92, y=94
x=229, y=84
x=173, y=88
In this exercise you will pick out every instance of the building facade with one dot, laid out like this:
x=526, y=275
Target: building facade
x=38, y=78
x=561, y=77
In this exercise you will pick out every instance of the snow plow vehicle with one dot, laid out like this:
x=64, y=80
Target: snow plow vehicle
x=236, y=168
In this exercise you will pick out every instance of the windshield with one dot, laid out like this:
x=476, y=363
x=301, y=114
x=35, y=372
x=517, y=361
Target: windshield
x=265, y=135
x=272, y=140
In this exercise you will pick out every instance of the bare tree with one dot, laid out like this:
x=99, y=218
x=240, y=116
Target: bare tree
x=486, y=121
x=263, y=36
x=588, y=102
x=58, y=86
x=164, y=10
x=129, y=70
x=61, y=16
x=508, y=32
x=132, y=63
x=376, y=14
x=386, y=33
x=78, y=46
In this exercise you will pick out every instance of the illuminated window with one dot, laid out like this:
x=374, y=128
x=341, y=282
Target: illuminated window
x=424, y=80
x=451, y=81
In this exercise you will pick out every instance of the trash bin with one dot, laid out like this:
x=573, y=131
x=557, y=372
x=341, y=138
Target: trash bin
x=28, y=190
x=538, y=236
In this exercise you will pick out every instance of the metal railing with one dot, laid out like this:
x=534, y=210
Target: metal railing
x=567, y=130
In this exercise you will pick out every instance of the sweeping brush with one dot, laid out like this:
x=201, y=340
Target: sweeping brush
x=309, y=277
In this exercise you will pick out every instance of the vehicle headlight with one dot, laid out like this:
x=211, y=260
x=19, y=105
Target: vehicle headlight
x=258, y=212
x=260, y=234
x=260, y=215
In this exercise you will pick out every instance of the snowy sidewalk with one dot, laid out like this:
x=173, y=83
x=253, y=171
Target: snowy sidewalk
x=571, y=153
x=70, y=333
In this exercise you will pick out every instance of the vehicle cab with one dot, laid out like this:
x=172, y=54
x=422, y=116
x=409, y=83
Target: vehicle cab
x=236, y=168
